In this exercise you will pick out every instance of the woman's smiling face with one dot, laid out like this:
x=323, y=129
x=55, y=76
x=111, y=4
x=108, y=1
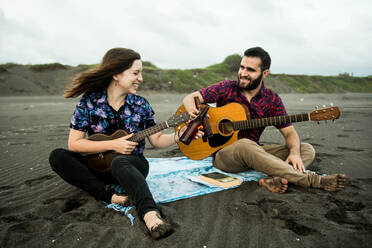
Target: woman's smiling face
x=130, y=79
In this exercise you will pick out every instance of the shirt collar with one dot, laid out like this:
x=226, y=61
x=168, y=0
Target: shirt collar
x=100, y=98
x=262, y=91
x=130, y=99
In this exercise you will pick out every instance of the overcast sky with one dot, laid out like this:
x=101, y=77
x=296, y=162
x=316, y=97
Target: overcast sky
x=302, y=36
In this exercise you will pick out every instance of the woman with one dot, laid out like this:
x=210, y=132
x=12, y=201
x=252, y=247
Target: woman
x=109, y=103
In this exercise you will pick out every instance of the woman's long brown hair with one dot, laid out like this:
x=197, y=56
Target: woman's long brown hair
x=115, y=61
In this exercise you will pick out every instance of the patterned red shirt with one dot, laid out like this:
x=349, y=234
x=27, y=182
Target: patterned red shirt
x=265, y=104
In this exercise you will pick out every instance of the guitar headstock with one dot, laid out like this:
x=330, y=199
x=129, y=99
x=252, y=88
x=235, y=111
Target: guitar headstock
x=324, y=114
x=175, y=120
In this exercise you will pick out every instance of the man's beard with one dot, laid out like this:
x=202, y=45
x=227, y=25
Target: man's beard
x=253, y=85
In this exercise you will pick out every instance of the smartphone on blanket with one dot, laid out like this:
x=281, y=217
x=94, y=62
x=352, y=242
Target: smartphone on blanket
x=220, y=179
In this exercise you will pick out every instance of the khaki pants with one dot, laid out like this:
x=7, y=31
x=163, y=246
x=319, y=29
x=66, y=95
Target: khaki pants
x=269, y=159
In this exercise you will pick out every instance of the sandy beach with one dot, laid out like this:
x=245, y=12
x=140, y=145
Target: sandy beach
x=38, y=209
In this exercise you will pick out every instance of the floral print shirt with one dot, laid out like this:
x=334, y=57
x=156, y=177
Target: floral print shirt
x=93, y=114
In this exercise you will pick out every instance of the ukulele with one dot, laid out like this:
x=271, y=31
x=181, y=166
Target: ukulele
x=226, y=122
x=102, y=161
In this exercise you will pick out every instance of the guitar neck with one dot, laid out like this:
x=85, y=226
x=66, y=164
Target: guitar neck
x=270, y=121
x=149, y=131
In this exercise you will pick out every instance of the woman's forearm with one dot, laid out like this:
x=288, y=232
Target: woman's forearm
x=89, y=146
x=160, y=140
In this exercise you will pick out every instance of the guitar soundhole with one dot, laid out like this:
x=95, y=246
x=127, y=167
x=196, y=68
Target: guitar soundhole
x=225, y=127
x=225, y=130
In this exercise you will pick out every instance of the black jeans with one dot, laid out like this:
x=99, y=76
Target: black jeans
x=129, y=171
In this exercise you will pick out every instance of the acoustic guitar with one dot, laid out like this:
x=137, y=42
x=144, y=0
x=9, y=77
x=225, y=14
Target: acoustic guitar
x=227, y=121
x=102, y=161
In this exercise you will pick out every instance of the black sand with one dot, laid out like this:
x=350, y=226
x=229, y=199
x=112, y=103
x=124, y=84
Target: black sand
x=38, y=209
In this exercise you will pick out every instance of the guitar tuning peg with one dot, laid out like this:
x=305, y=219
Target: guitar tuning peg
x=316, y=107
x=331, y=104
x=323, y=105
x=318, y=122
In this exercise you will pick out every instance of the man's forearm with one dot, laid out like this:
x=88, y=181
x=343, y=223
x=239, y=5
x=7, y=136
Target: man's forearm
x=293, y=143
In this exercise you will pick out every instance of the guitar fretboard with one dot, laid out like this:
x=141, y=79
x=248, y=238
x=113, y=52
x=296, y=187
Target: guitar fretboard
x=270, y=121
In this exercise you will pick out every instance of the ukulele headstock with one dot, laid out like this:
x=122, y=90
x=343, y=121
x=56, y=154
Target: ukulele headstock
x=177, y=119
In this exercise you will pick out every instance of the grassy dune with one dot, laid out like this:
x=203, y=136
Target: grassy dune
x=53, y=78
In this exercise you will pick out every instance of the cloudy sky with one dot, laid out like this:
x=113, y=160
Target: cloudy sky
x=323, y=37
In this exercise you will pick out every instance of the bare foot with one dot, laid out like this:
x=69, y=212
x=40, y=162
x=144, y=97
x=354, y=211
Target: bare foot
x=274, y=184
x=157, y=226
x=121, y=200
x=335, y=182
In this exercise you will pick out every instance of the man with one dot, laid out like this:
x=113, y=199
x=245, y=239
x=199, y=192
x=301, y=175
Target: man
x=282, y=163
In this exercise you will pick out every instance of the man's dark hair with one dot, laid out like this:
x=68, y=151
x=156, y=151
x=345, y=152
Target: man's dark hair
x=262, y=54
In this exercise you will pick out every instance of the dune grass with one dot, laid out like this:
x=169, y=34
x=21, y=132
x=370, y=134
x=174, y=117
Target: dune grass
x=46, y=67
x=183, y=81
